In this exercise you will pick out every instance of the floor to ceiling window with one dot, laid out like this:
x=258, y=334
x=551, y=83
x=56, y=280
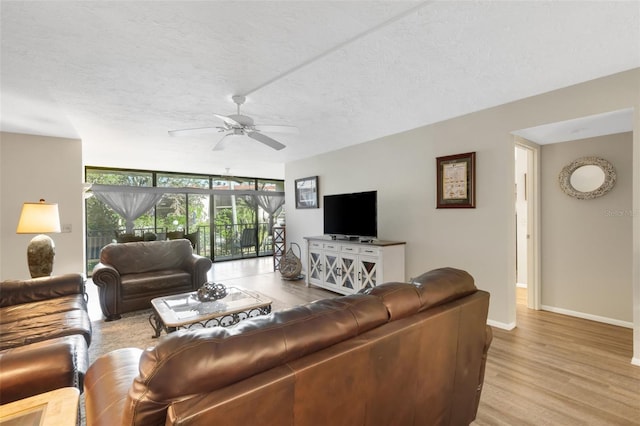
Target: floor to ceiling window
x=223, y=217
x=186, y=214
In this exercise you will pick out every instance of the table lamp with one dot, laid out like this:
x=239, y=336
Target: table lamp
x=39, y=218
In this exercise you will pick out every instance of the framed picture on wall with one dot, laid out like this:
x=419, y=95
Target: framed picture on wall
x=456, y=181
x=307, y=193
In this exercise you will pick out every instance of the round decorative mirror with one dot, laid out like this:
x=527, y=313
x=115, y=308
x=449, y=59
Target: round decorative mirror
x=587, y=178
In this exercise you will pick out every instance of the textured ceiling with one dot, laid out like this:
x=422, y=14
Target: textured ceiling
x=119, y=75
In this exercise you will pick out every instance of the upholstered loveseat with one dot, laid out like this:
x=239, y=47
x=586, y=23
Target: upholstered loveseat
x=402, y=354
x=45, y=332
x=129, y=275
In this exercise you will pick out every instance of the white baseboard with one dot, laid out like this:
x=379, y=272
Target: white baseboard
x=606, y=320
x=501, y=325
x=635, y=361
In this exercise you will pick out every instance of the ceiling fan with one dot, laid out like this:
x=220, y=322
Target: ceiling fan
x=238, y=124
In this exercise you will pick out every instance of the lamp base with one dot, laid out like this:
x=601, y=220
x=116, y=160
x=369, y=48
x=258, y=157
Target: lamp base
x=40, y=253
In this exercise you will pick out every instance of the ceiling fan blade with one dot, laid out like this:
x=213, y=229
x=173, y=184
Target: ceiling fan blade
x=195, y=131
x=266, y=140
x=269, y=128
x=219, y=146
x=228, y=120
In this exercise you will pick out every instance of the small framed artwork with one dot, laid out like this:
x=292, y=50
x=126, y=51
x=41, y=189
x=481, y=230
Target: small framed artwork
x=456, y=180
x=307, y=193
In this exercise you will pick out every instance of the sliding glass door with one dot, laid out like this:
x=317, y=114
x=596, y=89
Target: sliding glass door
x=223, y=217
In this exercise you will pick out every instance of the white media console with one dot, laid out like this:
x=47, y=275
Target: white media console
x=347, y=266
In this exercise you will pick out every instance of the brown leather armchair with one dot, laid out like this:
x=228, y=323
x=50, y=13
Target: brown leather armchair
x=129, y=275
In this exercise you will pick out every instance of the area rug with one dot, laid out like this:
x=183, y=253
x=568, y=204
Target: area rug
x=133, y=330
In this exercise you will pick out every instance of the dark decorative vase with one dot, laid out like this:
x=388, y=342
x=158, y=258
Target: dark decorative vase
x=211, y=291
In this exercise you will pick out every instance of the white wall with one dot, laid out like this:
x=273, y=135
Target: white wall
x=35, y=167
x=402, y=168
x=586, y=244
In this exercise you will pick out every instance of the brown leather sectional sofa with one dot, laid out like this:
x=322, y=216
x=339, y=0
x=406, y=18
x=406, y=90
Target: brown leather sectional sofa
x=45, y=332
x=129, y=275
x=402, y=354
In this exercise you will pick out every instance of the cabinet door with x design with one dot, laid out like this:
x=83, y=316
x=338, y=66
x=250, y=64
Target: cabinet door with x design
x=368, y=272
x=315, y=266
x=331, y=269
x=348, y=273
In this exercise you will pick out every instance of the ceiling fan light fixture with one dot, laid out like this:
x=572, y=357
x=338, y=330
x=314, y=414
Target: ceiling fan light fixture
x=238, y=100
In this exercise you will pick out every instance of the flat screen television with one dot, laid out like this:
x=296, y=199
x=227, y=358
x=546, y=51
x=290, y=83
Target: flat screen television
x=351, y=215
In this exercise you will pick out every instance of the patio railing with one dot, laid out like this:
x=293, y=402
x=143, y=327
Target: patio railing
x=233, y=241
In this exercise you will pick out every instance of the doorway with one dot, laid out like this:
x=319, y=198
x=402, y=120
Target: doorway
x=527, y=226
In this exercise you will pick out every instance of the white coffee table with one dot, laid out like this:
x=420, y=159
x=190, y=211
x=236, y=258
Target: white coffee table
x=186, y=311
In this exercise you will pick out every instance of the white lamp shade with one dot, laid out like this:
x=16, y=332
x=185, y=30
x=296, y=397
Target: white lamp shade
x=39, y=218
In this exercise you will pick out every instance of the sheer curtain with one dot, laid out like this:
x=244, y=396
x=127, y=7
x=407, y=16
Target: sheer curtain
x=129, y=202
x=271, y=204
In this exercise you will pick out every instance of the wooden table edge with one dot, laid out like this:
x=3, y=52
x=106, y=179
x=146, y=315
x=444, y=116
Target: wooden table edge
x=61, y=407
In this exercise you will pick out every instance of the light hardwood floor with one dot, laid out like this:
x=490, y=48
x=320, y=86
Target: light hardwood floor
x=559, y=370
x=551, y=370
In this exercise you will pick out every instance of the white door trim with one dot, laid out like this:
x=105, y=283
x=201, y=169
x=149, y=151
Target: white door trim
x=533, y=220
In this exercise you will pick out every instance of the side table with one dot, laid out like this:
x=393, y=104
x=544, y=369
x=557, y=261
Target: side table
x=55, y=408
x=279, y=245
